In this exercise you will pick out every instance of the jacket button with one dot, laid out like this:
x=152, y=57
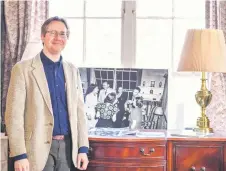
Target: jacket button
x=47, y=142
x=51, y=124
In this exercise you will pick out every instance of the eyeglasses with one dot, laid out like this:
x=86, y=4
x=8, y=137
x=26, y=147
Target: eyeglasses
x=54, y=33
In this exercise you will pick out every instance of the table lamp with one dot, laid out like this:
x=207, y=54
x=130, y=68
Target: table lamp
x=204, y=51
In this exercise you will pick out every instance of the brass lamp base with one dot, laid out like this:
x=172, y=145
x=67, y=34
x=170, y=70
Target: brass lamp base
x=203, y=125
x=203, y=98
x=203, y=130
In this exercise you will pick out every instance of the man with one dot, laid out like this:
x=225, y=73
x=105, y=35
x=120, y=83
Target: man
x=104, y=92
x=134, y=107
x=45, y=118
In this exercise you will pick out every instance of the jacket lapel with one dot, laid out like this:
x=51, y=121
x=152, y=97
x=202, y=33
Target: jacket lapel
x=40, y=77
x=68, y=74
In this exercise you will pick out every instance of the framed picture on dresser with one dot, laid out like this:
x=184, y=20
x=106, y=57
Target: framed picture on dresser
x=125, y=97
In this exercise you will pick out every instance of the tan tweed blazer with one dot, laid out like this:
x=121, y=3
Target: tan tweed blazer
x=29, y=116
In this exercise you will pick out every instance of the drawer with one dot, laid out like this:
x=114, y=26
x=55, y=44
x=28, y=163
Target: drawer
x=123, y=166
x=201, y=158
x=114, y=168
x=127, y=151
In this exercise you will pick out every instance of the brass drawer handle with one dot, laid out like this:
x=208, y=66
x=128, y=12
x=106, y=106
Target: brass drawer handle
x=142, y=151
x=147, y=154
x=193, y=168
x=203, y=168
x=152, y=150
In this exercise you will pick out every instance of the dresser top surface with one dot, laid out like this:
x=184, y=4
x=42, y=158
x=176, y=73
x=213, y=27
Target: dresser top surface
x=153, y=135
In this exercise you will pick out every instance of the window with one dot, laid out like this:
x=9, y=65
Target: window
x=161, y=28
x=151, y=32
x=125, y=78
x=95, y=27
x=104, y=74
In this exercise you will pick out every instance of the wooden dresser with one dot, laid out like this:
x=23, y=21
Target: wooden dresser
x=127, y=154
x=196, y=154
x=158, y=154
x=170, y=153
x=4, y=153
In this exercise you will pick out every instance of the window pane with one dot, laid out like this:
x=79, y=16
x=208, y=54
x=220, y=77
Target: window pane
x=181, y=26
x=73, y=51
x=126, y=84
x=189, y=8
x=103, y=8
x=119, y=75
x=133, y=76
x=119, y=83
x=104, y=74
x=68, y=8
x=125, y=75
x=110, y=74
x=161, y=8
x=103, y=42
x=154, y=43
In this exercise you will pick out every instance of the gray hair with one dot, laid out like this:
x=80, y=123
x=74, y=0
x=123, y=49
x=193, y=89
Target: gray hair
x=56, y=18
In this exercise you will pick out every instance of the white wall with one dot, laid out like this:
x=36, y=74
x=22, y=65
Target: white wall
x=31, y=50
x=183, y=109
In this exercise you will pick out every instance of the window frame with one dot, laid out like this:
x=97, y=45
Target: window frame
x=128, y=35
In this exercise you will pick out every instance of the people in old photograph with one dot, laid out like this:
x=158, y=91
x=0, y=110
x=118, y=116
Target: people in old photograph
x=134, y=106
x=91, y=100
x=122, y=97
x=106, y=112
x=104, y=91
x=117, y=98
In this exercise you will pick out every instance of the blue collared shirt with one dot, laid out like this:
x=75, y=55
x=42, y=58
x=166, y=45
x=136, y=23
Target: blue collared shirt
x=56, y=82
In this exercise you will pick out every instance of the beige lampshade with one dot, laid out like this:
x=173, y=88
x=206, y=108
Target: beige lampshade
x=204, y=50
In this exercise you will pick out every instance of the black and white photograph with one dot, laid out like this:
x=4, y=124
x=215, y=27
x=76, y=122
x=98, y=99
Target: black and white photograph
x=125, y=97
